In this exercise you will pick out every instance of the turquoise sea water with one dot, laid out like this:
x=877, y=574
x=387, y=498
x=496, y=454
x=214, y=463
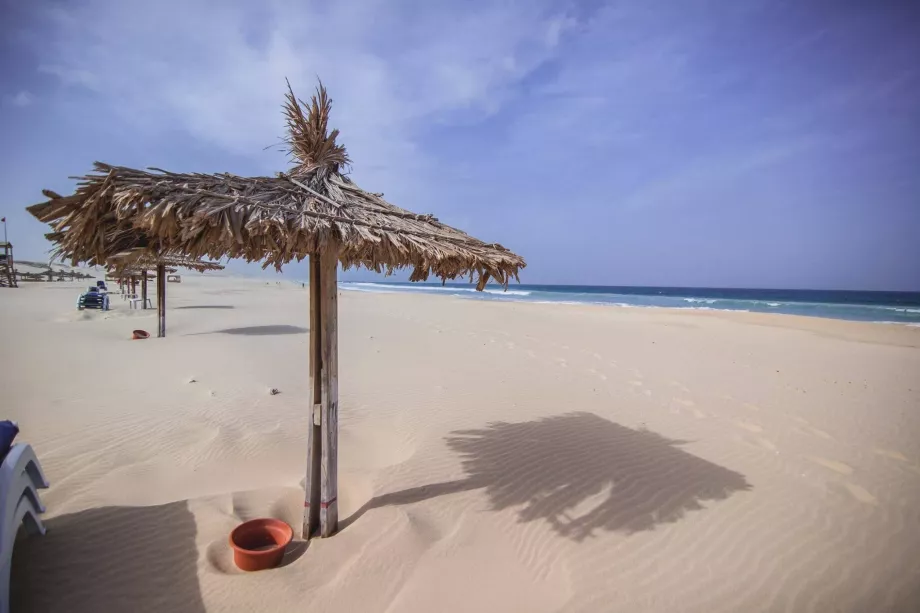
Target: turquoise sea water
x=882, y=307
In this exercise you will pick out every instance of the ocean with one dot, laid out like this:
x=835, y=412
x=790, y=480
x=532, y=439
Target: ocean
x=879, y=307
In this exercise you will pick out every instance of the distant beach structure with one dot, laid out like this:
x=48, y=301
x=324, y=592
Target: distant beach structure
x=137, y=264
x=7, y=277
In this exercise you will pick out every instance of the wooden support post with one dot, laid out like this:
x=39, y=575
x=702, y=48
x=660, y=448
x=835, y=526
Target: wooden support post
x=133, y=285
x=144, y=289
x=321, y=483
x=329, y=349
x=311, y=501
x=161, y=300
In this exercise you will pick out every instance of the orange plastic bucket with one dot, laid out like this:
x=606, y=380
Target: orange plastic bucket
x=259, y=544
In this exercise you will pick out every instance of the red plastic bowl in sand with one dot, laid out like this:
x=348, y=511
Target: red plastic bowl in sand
x=140, y=335
x=259, y=543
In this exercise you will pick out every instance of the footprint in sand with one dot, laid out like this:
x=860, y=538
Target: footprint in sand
x=819, y=433
x=647, y=393
x=750, y=407
x=749, y=426
x=812, y=430
x=839, y=467
x=686, y=402
x=596, y=373
x=766, y=444
x=636, y=383
x=859, y=493
x=894, y=455
x=900, y=457
x=220, y=558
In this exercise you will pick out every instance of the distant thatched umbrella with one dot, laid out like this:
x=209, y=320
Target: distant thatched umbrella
x=132, y=271
x=312, y=210
x=134, y=264
x=139, y=260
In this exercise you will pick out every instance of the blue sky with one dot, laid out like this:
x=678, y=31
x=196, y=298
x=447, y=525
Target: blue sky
x=695, y=142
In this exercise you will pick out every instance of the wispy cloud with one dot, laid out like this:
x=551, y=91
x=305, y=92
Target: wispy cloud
x=21, y=98
x=71, y=75
x=696, y=179
x=392, y=67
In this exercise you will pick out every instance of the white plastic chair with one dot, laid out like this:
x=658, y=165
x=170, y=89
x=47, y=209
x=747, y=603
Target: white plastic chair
x=20, y=477
x=136, y=301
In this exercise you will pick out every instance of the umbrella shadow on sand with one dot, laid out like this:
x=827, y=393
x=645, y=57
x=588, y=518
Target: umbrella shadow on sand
x=140, y=559
x=580, y=473
x=274, y=330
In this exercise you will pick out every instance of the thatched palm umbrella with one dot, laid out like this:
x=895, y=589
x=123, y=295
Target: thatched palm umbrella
x=314, y=210
x=139, y=262
x=134, y=271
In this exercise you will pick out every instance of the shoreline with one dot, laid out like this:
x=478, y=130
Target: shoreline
x=904, y=334
x=814, y=323
x=702, y=302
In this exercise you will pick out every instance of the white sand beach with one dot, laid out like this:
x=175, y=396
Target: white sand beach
x=492, y=456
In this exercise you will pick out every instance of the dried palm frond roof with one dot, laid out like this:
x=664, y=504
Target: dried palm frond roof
x=141, y=260
x=131, y=271
x=88, y=230
x=311, y=209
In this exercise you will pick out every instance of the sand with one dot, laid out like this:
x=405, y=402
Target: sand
x=493, y=456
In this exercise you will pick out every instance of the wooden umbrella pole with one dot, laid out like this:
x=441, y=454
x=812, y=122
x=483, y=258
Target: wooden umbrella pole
x=320, y=485
x=311, y=503
x=161, y=300
x=329, y=508
x=144, y=289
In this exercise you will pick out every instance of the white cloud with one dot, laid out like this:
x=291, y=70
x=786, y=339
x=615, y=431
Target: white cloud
x=392, y=68
x=698, y=179
x=71, y=76
x=22, y=98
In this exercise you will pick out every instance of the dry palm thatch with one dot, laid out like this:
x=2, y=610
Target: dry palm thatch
x=308, y=140
x=139, y=272
x=133, y=271
x=139, y=261
x=311, y=209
